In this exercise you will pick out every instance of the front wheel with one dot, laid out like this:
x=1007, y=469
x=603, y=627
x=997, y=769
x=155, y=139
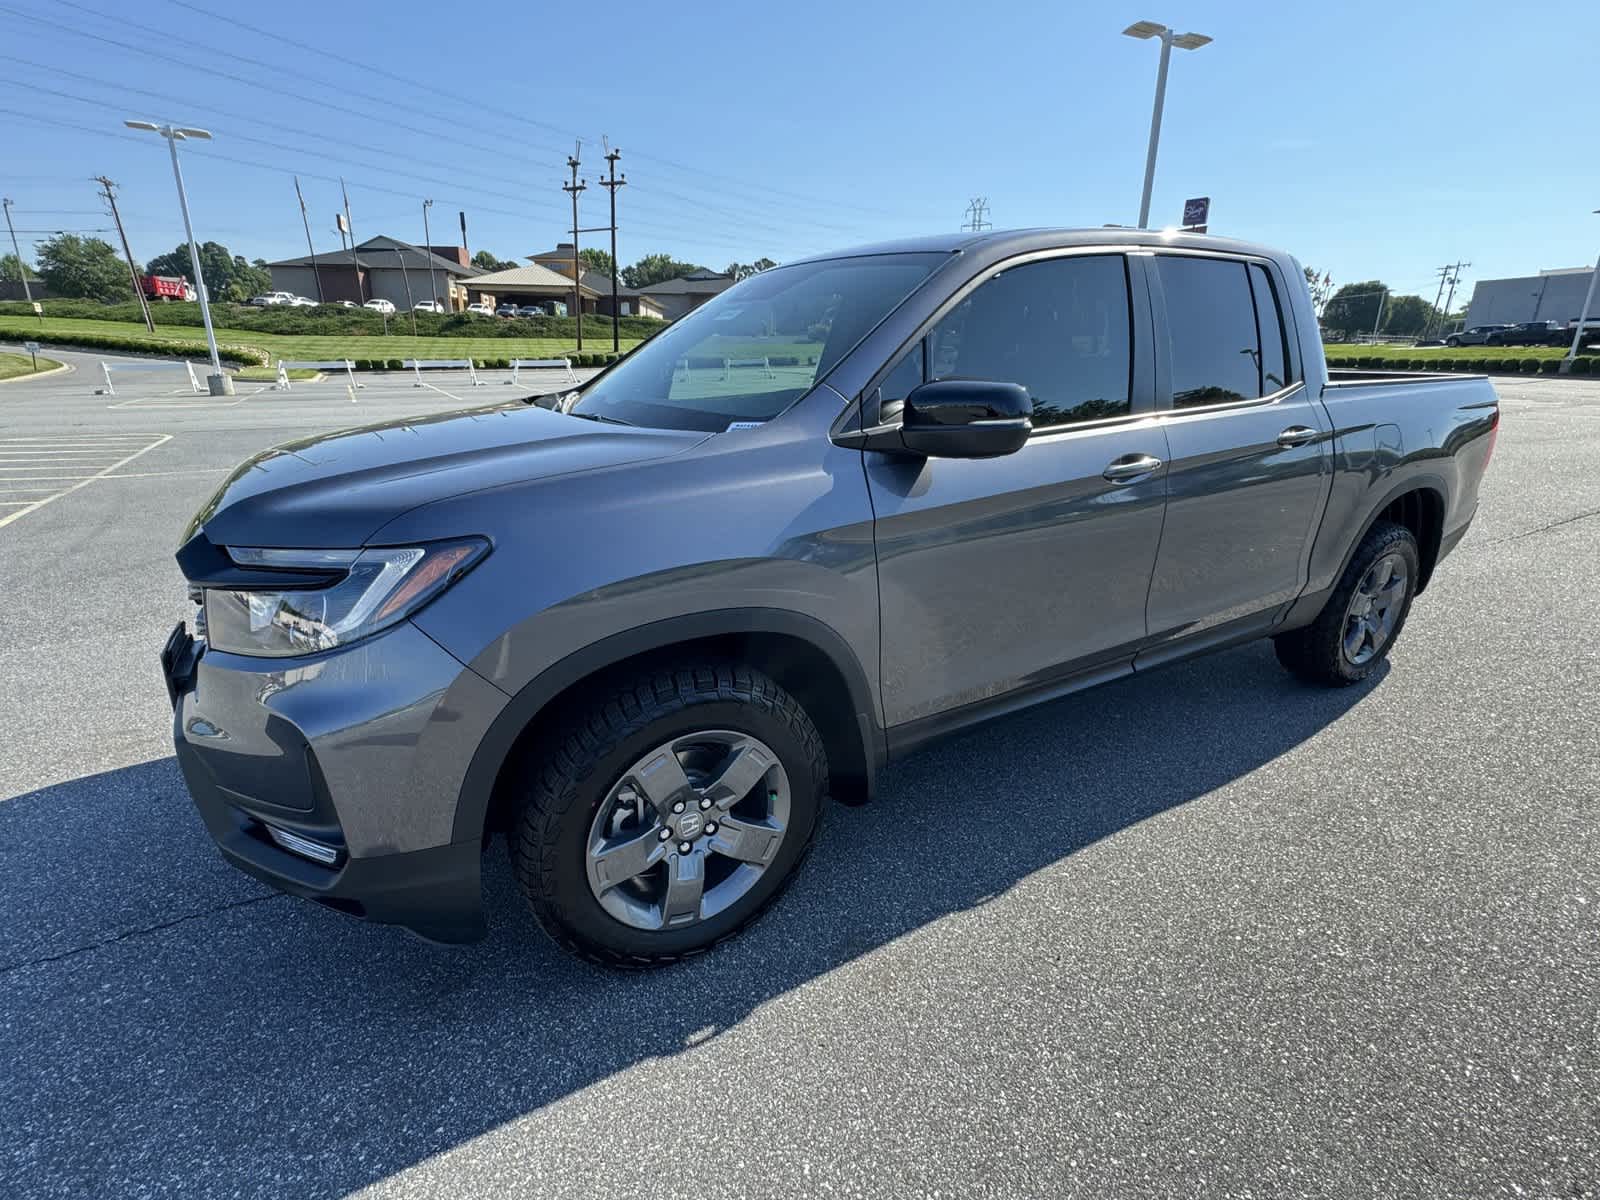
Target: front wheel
x=1364, y=614
x=1452, y=342
x=670, y=814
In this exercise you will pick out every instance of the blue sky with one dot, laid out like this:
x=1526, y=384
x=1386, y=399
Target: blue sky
x=1371, y=139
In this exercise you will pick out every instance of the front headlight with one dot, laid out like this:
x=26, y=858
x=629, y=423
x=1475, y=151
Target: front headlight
x=378, y=587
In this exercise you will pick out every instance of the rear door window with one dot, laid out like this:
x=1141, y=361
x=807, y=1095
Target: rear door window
x=1211, y=327
x=1269, y=326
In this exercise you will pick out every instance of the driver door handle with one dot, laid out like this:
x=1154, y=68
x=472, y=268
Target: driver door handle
x=1130, y=467
x=1297, y=435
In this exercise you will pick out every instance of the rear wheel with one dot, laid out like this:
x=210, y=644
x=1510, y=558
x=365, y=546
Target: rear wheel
x=670, y=814
x=1364, y=614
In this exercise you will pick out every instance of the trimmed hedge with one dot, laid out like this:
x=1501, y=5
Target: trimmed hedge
x=1583, y=365
x=242, y=356
x=1530, y=366
x=328, y=319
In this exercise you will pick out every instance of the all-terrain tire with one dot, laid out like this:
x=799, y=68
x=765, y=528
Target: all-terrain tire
x=570, y=776
x=1316, y=652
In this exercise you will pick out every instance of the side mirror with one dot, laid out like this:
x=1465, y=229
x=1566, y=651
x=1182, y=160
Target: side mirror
x=966, y=418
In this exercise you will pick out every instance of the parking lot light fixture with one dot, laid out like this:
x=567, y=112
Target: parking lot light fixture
x=1583, y=319
x=1169, y=39
x=219, y=382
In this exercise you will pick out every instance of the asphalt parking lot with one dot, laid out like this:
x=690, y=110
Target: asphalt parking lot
x=1204, y=932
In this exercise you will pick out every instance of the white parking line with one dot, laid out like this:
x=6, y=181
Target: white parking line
x=34, y=506
x=164, y=474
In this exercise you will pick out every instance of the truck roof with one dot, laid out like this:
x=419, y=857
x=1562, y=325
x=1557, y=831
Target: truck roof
x=1002, y=243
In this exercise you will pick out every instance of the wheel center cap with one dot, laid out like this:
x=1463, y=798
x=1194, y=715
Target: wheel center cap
x=690, y=824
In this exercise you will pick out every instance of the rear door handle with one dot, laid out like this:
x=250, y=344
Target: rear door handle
x=1130, y=467
x=1297, y=435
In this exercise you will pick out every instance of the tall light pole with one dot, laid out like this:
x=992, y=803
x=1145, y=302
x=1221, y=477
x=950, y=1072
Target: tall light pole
x=1169, y=39
x=427, y=246
x=219, y=383
x=1583, y=317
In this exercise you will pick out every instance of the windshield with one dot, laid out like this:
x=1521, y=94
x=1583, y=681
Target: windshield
x=749, y=353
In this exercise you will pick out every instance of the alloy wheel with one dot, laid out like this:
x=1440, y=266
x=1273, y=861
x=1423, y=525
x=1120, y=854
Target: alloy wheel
x=688, y=829
x=1375, y=609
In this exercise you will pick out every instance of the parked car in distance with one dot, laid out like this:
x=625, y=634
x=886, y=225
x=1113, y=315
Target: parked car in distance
x=506, y=310
x=1591, y=330
x=303, y=302
x=1477, y=335
x=432, y=306
x=348, y=304
x=530, y=310
x=482, y=308
x=272, y=299
x=1531, y=333
x=643, y=628
x=380, y=305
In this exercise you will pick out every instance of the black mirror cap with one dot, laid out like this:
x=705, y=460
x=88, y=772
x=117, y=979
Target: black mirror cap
x=966, y=418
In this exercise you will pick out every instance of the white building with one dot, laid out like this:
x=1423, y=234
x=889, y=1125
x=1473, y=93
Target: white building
x=1548, y=296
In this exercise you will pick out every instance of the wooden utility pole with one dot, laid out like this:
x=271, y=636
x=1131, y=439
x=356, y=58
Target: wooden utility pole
x=109, y=195
x=310, y=249
x=349, y=227
x=574, y=188
x=611, y=185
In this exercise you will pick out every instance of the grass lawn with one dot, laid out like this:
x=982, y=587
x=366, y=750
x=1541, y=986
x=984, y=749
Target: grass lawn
x=270, y=374
x=60, y=330
x=12, y=365
x=1344, y=350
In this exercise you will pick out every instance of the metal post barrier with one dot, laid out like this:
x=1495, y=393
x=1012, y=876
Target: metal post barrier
x=729, y=363
x=416, y=365
x=332, y=364
x=165, y=365
x=564, y=363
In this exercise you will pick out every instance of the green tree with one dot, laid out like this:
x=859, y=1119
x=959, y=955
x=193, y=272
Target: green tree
x=1407, y=316
x=1354, y=307
x=84, y=268
x=656, y=268
x=1321, y=284
x=228, y=276
x=485, y=261
x=11, y=270
x=744, y=270
x=595, y=259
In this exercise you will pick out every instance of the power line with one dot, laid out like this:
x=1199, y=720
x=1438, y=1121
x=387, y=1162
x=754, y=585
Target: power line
x=280, y=69
x=477, y=108
x=338, y=156
x=436, y=181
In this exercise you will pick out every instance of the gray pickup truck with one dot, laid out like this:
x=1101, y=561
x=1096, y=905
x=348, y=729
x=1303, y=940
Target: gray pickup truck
x=645, y=628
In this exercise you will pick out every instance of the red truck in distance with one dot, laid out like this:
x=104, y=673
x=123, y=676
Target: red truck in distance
x=166, y=287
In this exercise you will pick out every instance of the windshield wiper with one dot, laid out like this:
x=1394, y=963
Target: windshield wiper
x=601, y=417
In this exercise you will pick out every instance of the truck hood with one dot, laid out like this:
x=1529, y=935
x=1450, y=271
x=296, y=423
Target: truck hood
x=338, y=489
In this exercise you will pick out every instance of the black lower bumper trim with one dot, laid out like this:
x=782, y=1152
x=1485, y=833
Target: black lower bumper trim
x=435, y=893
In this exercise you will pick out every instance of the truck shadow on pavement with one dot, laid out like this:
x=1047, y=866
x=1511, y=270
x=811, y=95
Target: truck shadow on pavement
x=171, y=1024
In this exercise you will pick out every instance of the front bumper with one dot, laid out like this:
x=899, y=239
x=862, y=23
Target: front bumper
x=361, y=751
